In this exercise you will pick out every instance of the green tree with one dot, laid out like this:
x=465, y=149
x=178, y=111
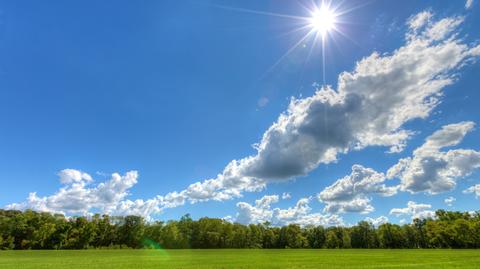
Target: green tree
x=270, y=236
x=363, y=235
x=33, y=230
x=391, y=236
x=105, y=231
x=316, y=237
x=332, y=240
x=291, y=237
x=131, y=232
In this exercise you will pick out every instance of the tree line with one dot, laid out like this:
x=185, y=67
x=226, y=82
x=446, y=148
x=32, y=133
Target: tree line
x=35, y=230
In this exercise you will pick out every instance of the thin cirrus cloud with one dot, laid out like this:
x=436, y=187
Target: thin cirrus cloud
x=369, y=108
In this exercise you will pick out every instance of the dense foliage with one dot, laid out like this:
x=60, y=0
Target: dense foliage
x=33, y=230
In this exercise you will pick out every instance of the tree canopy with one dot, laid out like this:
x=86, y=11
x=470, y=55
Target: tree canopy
x=36, y=230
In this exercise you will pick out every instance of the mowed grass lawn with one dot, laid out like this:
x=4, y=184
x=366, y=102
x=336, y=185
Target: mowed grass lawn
x=239, y=258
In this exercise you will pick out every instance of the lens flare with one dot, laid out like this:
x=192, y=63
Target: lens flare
x=152, y=244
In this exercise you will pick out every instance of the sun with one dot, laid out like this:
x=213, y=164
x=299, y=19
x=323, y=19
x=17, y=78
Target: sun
x=321, y=23
x=322, y=20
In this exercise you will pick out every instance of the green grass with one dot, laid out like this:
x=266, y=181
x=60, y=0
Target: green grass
x=241, y=258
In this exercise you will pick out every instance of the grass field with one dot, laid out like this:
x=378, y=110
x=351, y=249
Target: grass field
x=138, y=259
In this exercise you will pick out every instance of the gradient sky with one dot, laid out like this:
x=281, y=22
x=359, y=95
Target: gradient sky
x=177, y=89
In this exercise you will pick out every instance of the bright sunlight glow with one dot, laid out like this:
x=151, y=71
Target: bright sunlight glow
x=322, y=20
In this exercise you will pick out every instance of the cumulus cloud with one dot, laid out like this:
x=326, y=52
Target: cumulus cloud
x=350, y=193
x=357, y=205
x=475, y=189
x=258, y=213
x=468, y=4
x=377, y=221
x=421, y=211
x=77, y=197
x=71, y=176
x=433, y=171
x=300, y=214
x=449, y=200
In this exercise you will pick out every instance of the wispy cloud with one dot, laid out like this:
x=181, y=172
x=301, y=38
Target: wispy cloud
x=469, y=4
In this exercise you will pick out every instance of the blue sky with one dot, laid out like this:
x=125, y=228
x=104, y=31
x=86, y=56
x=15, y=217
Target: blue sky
x=176, y=90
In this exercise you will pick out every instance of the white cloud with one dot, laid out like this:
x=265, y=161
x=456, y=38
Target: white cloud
x=115, y=189
x=298, y=214
x=433, y=171
x=449, y=200
x=350, y=193
x=475, y=189
x=358, y=205
x=418, y=21
x=286, y=195
x=76, y=197
x=468, y=4
x=414, y=210
x=139, y=207
x=227, y=185
x=258, y=213
x=377, y=221
x=68, y=176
